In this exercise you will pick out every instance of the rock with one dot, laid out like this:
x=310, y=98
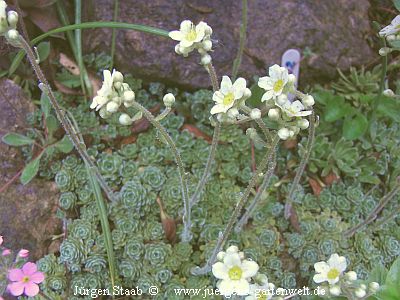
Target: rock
x=335, y=32
x=27, y=213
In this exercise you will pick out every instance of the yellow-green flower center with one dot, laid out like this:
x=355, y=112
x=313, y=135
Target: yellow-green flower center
x=228, y=99
x=333, y=274
x=235, y=273
x=261, y=296
x=191, y=35
x=25, y=279
x=278, y=85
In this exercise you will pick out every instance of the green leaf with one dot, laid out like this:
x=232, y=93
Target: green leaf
x=256, y=94
x=355, y=126
x=44, y=50
x=395, y=44
x=51, y=124
x=378, y=274
x=393, y=276
x=64, y=145
x=335, y=109
x=16, y=139
x=389, y=107
x=45, y=104
x=30, y=170
x=397, y=4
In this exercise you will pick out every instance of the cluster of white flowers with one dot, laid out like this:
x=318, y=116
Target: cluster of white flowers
x=238, y=276
x=192, y=37
x=114, y=92
x=333, y=272
x=8, y=23
x=229, y=98
x=392, y=35
x=289, y=114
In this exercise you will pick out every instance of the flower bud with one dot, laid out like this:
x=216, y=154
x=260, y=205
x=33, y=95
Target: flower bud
x=273, y=114
x=23, y=253
x=12, y=18
x=247, y=93
x=207, y=45
x=221, y=255
x=112, y=107
x=117, y=100
x=360, y=293
x=388, y=93
x=1, y=240
x=232, y=249
x=6, y=252
x=103, y=113
x=391, y=38
x=169, y=100
x=205, y=59
x=255, y=113
x=373, y=287
x=292, y=79
x=125, y=119
x=12, y=35
x=308, y=100
x=283, y=133
x=351, y=275
x=281, y=99
x=335, y=290
x=177, y=50
x=303, y=123
x=208, y=30
x=233, y=113
x=129, y=96
x=117, y=85
x=385, y=51
x=117, y=77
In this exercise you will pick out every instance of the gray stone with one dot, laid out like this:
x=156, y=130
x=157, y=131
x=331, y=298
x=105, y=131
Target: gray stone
x=27, y=213
x=335, y=31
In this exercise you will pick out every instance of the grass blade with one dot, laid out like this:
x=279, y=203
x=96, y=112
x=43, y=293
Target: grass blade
x=114, y=33
x=88, y=25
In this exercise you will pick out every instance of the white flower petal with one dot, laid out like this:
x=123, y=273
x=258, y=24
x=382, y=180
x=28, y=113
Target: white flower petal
x=333, y=281
x=297, y=105
x=220, y=271
x=226, y=287
x=266, y=83
x=186, y=26
x=267, y=95
x=185, y=44
x=239, y=87
x=318, y=278
x=321, y=267
x=176, y=35
x=275, y=72
x=303, y=113
x=249, y=268
x=218, y=97
x=232, y=259
x=226, y=85
x=241, y=287
x=218, y=108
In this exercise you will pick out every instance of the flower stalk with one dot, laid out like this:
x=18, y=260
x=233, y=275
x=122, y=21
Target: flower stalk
x=233, y=219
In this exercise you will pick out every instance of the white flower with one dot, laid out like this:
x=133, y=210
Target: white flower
x=274, y=83
x=189, y=34
x=234, y=274
x=295, y=109
x=283, y=133
x=330, y=271
x=228, y=94
x=392, y=28
x=261, y=292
